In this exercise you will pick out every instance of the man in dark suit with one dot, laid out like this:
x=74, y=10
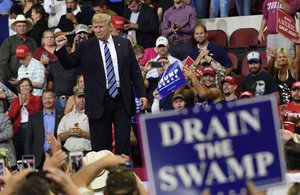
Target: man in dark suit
x=143, y=23
x=110, y=73
x=40, y=123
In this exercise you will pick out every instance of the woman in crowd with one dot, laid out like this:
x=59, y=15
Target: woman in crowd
x=21, y=108
x=45, y=53
x=280, y=66
x=71, y=100
x=38, y=16
x=27, y=8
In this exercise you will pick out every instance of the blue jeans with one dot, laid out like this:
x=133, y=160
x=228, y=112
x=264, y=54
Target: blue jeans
x=243, y=7
x=200, y=7
x=219, y=5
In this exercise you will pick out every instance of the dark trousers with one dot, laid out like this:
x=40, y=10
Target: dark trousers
x=181, y=50
x=19, y=141
x=101, y=129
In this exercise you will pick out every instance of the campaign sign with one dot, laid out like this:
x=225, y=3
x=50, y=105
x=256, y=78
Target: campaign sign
x=219, y=147
x=286, y=26
x=171, y=80
x=187, y=63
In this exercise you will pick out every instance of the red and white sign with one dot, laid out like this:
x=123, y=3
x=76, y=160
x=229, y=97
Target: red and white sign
x=188, y=62
x=286, y=26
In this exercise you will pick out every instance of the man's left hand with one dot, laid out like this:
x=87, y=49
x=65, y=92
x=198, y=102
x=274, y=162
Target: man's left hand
x=131, y=26
x=143, y=102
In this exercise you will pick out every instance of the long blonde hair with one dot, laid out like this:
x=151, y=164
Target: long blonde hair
x=287, y=55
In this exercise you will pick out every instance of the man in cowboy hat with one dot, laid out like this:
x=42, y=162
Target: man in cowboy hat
x=9, y=64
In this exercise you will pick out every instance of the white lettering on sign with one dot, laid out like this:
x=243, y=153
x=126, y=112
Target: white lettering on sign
x=250, y=166
x=191, y=130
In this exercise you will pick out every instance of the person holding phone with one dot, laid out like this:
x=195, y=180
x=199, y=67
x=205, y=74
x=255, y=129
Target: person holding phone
x=152, y=74
x=67, y=23
x=143, y=24
x=73, y=128
x=45, y=53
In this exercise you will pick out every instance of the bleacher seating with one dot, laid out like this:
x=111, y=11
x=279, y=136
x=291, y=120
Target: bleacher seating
x=243, y=37
x=217, y=36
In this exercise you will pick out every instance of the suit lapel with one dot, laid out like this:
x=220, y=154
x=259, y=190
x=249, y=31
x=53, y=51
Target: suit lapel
x=58, y=117
x=140, y=15
x=41, y=127
x=97, y=52
x=119, y=48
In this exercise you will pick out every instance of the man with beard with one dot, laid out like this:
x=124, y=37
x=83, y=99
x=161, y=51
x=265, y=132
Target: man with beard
x=229, y=86
x=290, y=112
x=258, y=81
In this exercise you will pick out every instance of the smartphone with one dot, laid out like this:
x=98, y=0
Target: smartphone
x=2, y=167
x=156, y=64
x=126, y=21
x=45, y=54
x=69, y=10
x=76, y=160
x=129, y=164
x=28, y=161
x=19, y=164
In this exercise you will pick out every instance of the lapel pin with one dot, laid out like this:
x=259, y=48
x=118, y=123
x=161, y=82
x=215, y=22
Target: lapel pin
x=119, y=44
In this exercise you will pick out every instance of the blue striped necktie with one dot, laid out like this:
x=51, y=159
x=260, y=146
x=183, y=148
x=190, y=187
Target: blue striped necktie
x=111, y=78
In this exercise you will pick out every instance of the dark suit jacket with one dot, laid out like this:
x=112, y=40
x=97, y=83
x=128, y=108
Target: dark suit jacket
x=148, y=25
x=35, y=135
x=88, y=55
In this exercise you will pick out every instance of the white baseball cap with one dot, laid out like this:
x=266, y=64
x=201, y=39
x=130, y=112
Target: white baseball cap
x=253, y=57
x=161, y=41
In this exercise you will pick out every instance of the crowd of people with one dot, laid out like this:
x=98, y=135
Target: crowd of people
x=74, y=76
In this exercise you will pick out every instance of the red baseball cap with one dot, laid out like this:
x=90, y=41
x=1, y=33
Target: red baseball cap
x=230, y=80
x=208, y=70
x=246, y=94
x=22, y=51
x=296, y=85
x=118, y=22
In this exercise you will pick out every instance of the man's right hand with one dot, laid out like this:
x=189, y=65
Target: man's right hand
x=61, y=41
x=261, y=37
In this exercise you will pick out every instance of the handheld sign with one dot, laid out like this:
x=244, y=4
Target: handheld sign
x=219, y=147
x=187, y=63
x=171, y=80
x=286, y=26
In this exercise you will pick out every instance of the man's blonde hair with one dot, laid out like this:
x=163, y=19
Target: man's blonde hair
x=101, y=17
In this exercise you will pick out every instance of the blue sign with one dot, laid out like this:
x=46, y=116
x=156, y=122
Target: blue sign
x=218, y=147
x=138, y=108
x=171, y=80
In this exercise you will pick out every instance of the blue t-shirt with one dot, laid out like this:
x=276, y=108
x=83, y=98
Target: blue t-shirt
x=5, y=6
x=217, y=52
